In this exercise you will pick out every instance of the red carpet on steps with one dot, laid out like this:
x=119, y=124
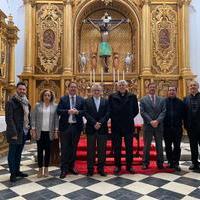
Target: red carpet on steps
x=81, y=162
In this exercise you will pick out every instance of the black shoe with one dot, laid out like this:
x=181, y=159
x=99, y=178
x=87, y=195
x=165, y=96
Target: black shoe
x=145, y=166
x=171, y=166
x=160, y=166
x=74, y=171
x=90, y=173
x=63, y=175
x=13, y=178
x=194, y=167
x=102, y=173
x=130, y=170
x=117, y=170
x=21, y=174
x=177, y=168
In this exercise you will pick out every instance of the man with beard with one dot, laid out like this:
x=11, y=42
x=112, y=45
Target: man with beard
x=173, y=127
x=17, y=114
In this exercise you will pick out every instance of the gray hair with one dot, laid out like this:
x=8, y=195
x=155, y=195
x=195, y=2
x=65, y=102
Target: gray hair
x=122, y=82
x=96, y=86
x=194, y=82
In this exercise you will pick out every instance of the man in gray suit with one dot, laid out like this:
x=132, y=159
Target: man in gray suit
x=153, y=111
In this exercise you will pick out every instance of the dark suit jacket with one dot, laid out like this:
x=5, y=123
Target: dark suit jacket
x=122, y=112
x=150, y=112
x=15, y=121
x=93, y=116
x=191, y=121
x=62, y=111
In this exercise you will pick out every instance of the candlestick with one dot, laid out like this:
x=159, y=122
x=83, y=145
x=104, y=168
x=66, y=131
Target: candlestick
x=91, y=77
x=94, y=75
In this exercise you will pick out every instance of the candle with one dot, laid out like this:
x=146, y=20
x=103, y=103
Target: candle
x=114, y=75
x=94, y=75
x=102, y=74
x=123, y=75
x=91, y=77
x=118, y=75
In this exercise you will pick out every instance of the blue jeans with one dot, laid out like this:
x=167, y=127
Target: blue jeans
x=14, y=157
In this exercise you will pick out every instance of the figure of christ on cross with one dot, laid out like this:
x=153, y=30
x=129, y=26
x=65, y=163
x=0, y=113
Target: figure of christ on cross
x=105, y=25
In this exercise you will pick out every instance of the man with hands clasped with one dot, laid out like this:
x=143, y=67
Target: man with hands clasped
x=70, y=109
x=152, y=108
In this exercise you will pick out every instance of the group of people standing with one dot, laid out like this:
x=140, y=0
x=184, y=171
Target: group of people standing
x=163, y=118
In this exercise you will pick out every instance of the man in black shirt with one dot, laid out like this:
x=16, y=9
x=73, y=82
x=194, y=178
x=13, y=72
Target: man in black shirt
x=173, y=127
x=192, y=124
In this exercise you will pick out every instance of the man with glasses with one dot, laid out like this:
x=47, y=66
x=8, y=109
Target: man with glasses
x=96, y=113
x=173, y=127
x=123, y=108
x=70, y=109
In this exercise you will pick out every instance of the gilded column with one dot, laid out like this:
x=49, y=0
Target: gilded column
x=68, y=55
x=146, y=37
x=184, y=37
x=28, y=65
x=12, y=39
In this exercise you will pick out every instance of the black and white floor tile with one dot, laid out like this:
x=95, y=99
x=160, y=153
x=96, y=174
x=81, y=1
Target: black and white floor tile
x=165, y=186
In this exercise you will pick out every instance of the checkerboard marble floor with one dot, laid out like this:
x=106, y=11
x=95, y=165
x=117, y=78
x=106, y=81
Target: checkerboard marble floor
x=165, y=186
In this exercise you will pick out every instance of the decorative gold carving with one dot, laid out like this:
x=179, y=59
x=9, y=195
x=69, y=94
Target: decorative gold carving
x=164, y=30
x=184, y=2
x=49, y=84
x=49, y=32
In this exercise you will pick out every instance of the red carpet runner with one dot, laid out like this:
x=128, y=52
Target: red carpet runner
x=81, y=163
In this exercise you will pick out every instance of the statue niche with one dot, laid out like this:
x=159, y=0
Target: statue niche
x=113, y=32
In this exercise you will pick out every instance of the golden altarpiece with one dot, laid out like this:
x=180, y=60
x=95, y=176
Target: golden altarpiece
x=8, y=40
x=153, y=45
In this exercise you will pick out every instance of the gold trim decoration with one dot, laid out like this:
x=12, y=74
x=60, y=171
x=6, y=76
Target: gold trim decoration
x=164, y=31
x=49, y=30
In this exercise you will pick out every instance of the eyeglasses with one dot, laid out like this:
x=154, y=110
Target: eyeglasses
x=48, y=95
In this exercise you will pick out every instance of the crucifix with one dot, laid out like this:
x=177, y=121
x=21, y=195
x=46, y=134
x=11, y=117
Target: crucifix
x=105, y=25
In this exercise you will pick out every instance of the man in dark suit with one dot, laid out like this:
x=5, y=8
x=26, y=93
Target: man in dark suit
x=123, y=108
x=70, y=109
x=192, y=124
x=17, y=115
x=152, y=109
x=173, y=127
x=96, y=113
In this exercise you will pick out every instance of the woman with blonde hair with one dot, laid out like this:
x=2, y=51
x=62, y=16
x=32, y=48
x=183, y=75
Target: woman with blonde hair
x=44, y=121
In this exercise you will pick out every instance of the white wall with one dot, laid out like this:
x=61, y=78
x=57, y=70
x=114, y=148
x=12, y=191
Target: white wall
x=195, y=37
x=15, y=7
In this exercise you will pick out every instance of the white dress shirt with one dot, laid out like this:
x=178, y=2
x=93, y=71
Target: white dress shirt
x=71, y=118
x=45, y=117
x=97, y=102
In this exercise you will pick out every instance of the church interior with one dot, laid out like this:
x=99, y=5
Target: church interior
x=98, y=41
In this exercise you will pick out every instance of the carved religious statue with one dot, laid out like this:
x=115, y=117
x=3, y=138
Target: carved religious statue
x=105, y=25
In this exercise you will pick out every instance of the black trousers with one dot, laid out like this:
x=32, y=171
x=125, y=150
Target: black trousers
x=44, y=144
x=14, y=157
x=94, y=140
x=194, y=138
x=117, y=144
x=172, y=138
x=69, y=141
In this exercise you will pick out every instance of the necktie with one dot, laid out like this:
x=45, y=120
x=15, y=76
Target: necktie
x=153, y=99
x=73, y=105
